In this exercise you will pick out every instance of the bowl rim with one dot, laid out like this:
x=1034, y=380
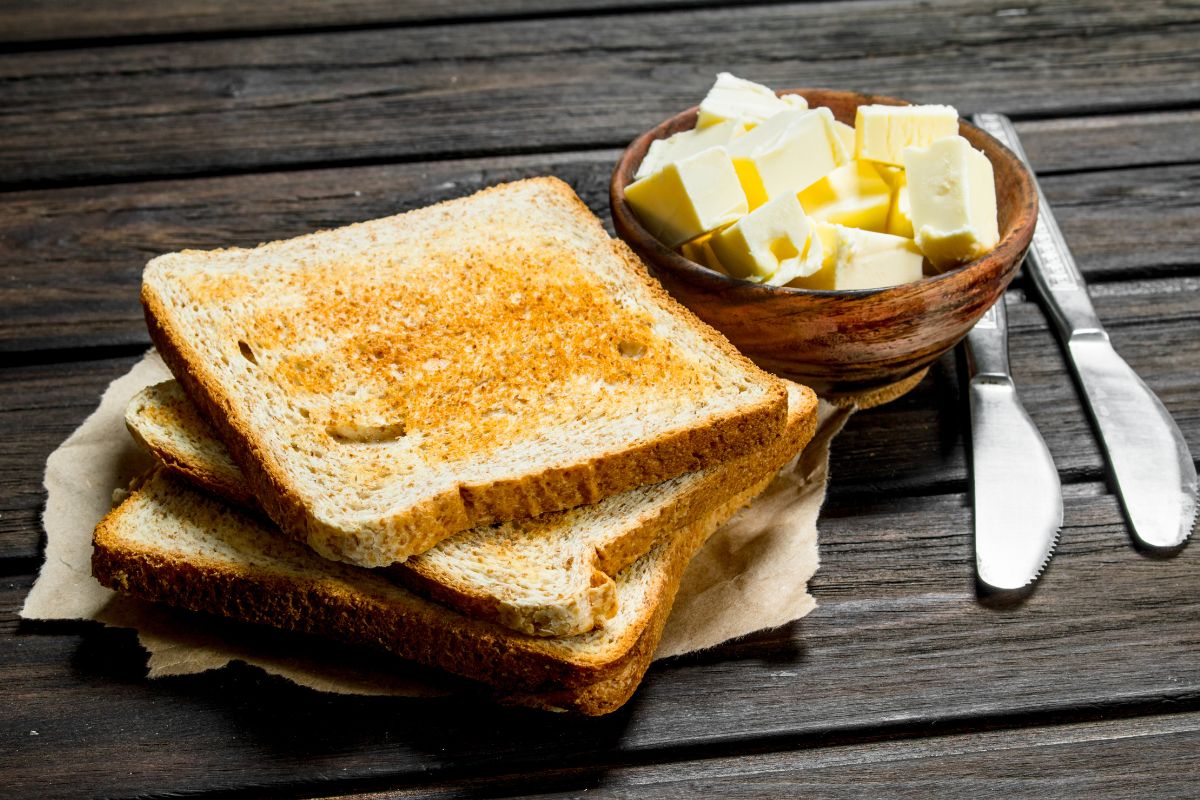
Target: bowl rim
x=1010, y=249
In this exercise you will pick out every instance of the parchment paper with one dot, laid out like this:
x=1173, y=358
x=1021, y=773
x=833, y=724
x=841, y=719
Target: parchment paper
x=752, y=574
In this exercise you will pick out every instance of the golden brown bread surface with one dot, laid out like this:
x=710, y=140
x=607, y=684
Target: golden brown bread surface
x=171, y=543
x=387, y=384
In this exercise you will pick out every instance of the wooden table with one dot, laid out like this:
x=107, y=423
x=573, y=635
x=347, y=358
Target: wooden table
x=128, y=129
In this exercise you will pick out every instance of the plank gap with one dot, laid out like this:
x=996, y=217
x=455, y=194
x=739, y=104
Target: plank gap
x=1127, y=275
x=1067, y=172
x=19, y=566
x=584, y=150
x=515, y=778
x=63, y=355
x=1131, y=109
x=574, y=11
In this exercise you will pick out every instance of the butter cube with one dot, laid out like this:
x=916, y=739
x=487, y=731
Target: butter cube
x=857, y=259
x=701, y=251
x=854, y=194
x=786, y=154
x=688, y=197
x=899, y=221
x=846, y=134
x=893, y=175
x=882, y=132
x=772, y=244
x=732, y=98
x=952, y=193
x=795, y=102
x=687, y=143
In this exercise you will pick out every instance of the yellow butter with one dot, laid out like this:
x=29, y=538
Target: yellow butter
x=772, y=244
x=857, y=259
x=846, y=134
x=689, y=197
x=701, y=251
x=687, y=143
x=952, y=194
x=732, y=98
x=899, y=222
x=894, y=176
x=853, y=194
x=795, y=102
x=786, y=154
x=882, y=132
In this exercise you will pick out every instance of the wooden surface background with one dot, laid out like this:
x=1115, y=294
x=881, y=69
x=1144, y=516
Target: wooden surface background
x=128, y=129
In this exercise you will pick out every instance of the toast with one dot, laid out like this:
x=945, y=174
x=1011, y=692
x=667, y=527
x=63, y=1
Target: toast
x=171, y=543
x=548, y=576
x=387, y=384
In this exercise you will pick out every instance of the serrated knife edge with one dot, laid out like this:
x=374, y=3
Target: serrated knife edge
x=1015, y=488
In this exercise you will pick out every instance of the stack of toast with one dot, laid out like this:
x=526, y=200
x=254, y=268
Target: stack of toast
x=477, y=435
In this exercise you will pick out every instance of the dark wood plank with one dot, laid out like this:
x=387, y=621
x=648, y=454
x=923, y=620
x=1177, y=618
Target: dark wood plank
x=1129, y=222
x=95, y=240
x=57, y=20
x=1110, y=141
x=200, y=107
x=899, y=646
x=912, y=446
x=1152, y=756
x=73, y=257
x=39, y=407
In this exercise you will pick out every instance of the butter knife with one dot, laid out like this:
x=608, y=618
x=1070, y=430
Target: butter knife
x=1152, y=470
x=1015, y=490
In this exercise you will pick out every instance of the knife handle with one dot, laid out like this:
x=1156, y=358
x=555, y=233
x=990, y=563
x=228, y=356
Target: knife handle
x=1051, y=265
x=987, y=344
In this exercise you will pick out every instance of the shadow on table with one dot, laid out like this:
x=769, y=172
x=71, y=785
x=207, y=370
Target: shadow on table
x=292, y=735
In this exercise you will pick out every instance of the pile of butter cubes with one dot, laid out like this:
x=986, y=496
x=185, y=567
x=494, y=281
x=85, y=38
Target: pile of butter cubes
x=768, y=190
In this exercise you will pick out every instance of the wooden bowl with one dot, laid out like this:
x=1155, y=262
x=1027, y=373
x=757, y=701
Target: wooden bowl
x=867, y=345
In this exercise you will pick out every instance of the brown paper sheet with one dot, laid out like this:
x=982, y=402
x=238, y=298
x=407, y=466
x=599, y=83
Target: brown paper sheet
x=752, y=574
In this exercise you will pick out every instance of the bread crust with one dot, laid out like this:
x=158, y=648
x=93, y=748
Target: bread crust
x=584, y=601
x=334, y=604
x=530, y=670
x=395, y=536
x=195, y=472
x=605, y=695
x=417, y=630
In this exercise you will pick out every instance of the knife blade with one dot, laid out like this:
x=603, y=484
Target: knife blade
x=1151, y=467
x=1015, y=490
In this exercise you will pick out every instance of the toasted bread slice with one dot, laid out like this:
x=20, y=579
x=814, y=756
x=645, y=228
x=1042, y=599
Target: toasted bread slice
x=171, y=543
x=387, y=384
x=549, y=576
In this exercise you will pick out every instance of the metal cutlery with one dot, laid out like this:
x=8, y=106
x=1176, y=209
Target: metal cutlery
x=1152, y=470
x=1016, y=494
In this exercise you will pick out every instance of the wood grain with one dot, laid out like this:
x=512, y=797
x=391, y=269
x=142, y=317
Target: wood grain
x=1069, y=144
x=58, y=20
x=73, y=257
x=211, y=106
x=1150, y=756
x=899, y=645
x=39, y=407
x=95, y=241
